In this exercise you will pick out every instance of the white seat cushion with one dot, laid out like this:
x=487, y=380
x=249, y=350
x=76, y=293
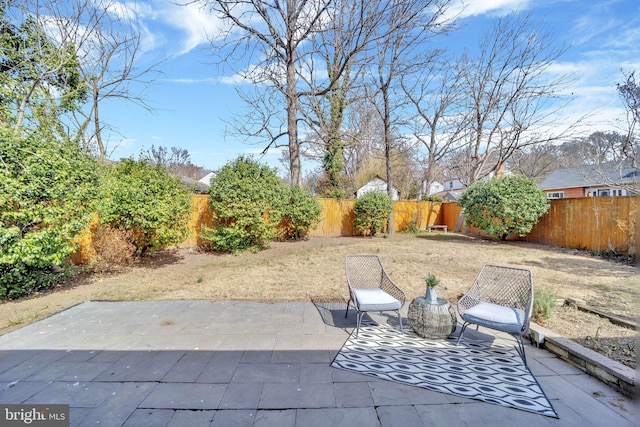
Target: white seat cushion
x=495, y=316
x=374, y=299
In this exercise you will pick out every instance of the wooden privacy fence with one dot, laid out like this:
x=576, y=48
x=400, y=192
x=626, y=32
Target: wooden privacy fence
x=200, y=215
x=603, y=224
x=593, y=223
x=337, y=216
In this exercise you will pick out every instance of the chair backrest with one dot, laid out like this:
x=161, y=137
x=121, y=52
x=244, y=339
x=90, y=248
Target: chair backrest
x=364, y=271
x=506, y=286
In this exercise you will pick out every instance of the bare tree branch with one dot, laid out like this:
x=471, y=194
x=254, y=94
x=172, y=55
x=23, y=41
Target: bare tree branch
x=273, y=34
x=630, y=95
x=511, y=96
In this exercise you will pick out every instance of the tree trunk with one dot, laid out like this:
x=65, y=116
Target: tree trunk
x=96, y=121
x=460, y=225
x=292, y=123
x=387, y=153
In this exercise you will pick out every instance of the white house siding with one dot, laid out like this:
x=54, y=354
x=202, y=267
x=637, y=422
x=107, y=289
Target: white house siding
x=376, y=184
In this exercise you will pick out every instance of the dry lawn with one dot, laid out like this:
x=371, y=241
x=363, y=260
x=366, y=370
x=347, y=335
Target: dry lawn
x=314, y=270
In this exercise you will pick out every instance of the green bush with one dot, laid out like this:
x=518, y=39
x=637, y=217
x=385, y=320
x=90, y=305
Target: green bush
x=145, y=201
x=412, y=227
x=247, y=203
x=504, y=206
x=45, y=190
x=301, y=214
x=544, y=303
x=371, y=212
x=433, y=198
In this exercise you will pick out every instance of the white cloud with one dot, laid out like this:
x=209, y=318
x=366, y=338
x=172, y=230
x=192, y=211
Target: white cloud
x=196, y=24
x=129, y=10
x=592, y=91
x=466, y=8
x=235, y=79
x=592, y=26
x=626, y=38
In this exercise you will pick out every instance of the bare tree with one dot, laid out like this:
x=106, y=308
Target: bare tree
x=273, y=34
x=435, y=94
x=168, y=157
x=630, y=94
x=401, y=52
x=512, y=99
x=175, y=159
x=349, y=28
x=352, y=31
x=602, y=147
x=109, y=65
x=363, y=131
x=535, y=161
x=539, y=160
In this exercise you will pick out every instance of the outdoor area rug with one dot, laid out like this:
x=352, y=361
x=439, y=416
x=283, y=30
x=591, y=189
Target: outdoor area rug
x=482, y=370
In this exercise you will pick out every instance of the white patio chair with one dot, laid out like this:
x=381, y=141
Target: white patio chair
x=371, y=288
x=500, y=298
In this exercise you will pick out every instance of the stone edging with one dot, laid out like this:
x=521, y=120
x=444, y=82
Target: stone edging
x=620, y=377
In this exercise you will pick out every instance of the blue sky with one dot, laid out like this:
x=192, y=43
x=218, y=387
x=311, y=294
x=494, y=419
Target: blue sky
x=193, y=98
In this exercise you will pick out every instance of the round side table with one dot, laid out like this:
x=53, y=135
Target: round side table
x=432, y=320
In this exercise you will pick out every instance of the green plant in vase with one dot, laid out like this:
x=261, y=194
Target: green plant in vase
x=431, y=282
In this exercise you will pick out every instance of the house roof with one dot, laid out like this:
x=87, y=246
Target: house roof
x=197, y=186
x=207, y=178
x=591, y=176
x=450, y=196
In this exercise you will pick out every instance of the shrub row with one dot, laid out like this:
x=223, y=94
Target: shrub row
x=49, y=192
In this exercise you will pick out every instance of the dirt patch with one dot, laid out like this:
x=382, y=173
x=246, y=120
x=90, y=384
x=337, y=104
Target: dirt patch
x=314, y=270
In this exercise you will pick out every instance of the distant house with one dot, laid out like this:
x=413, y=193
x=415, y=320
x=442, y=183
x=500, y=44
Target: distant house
x=453, y=185
x=455, y=190
x=601, y=180
x=377, y=184
x=434, y=188
x=196, y=186
x=207, y=178
x=452, y=189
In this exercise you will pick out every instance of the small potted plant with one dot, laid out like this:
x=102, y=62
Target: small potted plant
x=431, y=295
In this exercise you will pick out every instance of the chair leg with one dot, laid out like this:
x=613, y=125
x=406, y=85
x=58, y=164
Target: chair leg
x=347, y=313
x=358, y=321
x=520, y=349
x=464, y=326
x=400, y=321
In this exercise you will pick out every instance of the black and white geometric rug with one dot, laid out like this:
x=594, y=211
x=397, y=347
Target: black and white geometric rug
x=481, y=370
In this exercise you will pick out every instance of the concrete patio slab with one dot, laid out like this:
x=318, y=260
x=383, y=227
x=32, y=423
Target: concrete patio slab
x=201, y=363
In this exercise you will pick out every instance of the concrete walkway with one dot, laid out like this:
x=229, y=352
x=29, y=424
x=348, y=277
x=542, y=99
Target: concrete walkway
x=200, y=363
